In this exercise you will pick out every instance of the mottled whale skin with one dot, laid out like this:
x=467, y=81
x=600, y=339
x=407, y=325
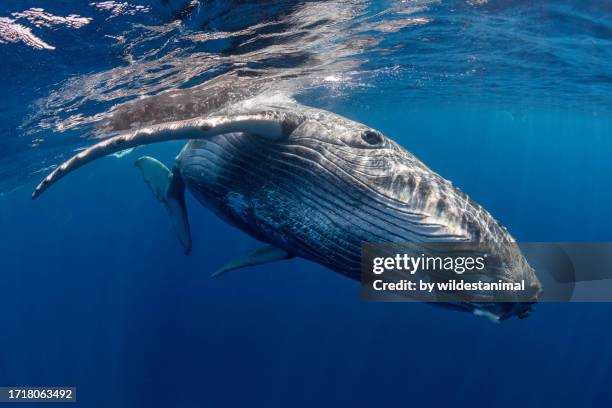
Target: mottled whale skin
x=318, y=185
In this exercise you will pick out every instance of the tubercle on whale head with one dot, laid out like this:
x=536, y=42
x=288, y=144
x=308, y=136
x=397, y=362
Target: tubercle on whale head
x=290, y=122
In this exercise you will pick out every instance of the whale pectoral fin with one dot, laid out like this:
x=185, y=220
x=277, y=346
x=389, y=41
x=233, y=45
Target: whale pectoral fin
x=169, y=188
x=177, y=210
x=156, y=175
x=272, y=125
x=266, y=254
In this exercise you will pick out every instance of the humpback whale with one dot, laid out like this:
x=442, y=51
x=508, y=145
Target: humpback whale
x=309, y=183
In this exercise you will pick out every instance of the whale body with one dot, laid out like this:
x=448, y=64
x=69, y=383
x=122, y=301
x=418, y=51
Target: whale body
x=312, y=184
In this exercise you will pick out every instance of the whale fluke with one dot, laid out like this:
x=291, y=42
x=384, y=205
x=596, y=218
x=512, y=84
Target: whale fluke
x=169, y=188
x=265, y=254
x=269, y=124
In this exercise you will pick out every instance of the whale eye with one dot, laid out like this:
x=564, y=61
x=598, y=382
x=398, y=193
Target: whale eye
x=372, y=137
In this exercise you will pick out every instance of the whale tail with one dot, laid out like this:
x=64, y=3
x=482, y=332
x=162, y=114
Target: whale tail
x=169, y=188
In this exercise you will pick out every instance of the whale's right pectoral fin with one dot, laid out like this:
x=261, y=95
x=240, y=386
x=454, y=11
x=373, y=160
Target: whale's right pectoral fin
x=169, y=188
x=265, y=254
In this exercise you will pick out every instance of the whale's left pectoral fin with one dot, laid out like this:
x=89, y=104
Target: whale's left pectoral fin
x=272, y=125
x=169, y=188
x=266, y=254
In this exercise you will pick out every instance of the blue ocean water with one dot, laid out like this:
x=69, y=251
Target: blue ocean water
x=511, y=100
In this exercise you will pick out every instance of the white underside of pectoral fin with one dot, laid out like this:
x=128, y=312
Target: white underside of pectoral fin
x=266, y=254
x=169, y=188
x=156, y=175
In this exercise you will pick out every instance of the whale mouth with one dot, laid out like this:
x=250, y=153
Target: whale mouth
x=504, y=310
x=496, y=312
